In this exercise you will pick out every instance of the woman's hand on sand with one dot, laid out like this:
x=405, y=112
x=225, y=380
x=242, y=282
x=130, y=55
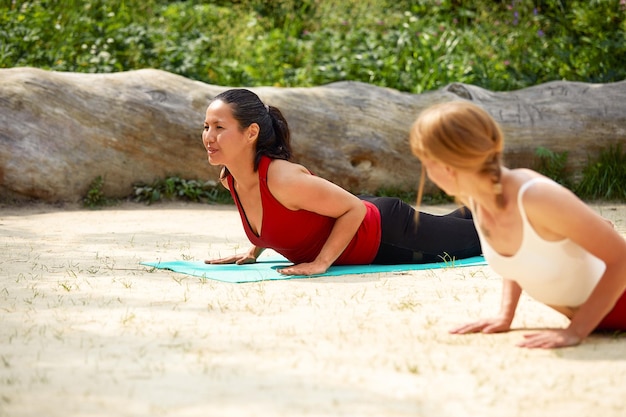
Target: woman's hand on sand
x=551, y=339
x=235, y=259
x=492, y=325
x=308, y=268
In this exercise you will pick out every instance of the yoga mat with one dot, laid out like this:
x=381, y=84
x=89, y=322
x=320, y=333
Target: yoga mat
x=265, y=269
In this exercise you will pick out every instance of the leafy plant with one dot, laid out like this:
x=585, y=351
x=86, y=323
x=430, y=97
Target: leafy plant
x=553, y=165
x=408, y=45
x=603, y=178
x=411, y=196
x=95, y=198
x=407, y=196
x=606, y=177
x=176, y=188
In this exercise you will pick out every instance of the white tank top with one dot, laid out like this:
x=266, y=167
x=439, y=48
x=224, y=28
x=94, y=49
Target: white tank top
x=559, y=273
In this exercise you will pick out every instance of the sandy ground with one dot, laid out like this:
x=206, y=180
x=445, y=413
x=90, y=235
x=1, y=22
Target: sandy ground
x=87, y=331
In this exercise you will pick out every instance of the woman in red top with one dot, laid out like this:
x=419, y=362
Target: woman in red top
x=309, y=220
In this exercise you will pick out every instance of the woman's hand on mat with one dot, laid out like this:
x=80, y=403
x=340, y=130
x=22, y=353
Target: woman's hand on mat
x=492, y=325
x=235, y=259
x=308, y=268
x=551, y=339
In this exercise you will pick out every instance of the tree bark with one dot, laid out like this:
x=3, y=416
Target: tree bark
x=59, y=131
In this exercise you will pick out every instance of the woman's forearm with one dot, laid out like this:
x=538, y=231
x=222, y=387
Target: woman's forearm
x=255, y=251
x=343, y=231
x=511, y=292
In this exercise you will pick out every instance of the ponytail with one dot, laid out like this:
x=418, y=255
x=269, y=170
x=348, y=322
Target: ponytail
x=275, y=142
x=493, y=169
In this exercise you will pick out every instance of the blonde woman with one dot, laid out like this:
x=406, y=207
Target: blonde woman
x=535, y=233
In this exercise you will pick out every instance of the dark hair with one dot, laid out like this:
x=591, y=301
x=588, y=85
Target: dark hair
x=274, y=137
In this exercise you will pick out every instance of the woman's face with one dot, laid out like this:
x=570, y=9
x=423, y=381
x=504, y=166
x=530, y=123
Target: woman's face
x=222, y=137
x=442, y=175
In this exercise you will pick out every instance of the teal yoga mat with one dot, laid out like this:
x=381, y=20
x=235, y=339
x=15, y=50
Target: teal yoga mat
x=265, y=269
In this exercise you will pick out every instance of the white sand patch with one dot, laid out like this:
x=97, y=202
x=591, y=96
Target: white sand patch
x=87, y=331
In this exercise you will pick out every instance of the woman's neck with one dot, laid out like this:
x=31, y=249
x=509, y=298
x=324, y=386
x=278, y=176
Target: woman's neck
x=244, y=174
x=482, y=192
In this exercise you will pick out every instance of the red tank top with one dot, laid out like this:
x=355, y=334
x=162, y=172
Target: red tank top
x=299, y=235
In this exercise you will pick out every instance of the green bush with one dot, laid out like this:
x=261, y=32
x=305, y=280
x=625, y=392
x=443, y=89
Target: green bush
x=176, y=188
x=95, y=198
x=409, y=45
x=412, y=46
x=553, y=165
x=605, y=179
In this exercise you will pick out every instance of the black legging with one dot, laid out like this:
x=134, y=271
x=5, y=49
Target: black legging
x=410, y=239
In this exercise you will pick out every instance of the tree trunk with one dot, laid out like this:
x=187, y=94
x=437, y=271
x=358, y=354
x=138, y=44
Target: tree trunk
x=59, y=131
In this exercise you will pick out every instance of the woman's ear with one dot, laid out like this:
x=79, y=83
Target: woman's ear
x=253, y=132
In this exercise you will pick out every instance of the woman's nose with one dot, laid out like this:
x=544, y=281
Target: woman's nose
x=207, y=137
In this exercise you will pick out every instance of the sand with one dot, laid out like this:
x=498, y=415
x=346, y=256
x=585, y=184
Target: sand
x=86, y=330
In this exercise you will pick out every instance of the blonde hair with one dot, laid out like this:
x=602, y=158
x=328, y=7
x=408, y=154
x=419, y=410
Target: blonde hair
x=461, y=135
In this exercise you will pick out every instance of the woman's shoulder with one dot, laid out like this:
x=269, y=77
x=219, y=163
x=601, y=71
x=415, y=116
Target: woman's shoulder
x=287, y=181
x=536, y=191
x=280, y=168
x=523, y=175
x=543, y=197
x=285, y=178
x=529, y=182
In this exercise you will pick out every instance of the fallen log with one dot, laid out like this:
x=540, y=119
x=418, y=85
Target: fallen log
x=59, y=131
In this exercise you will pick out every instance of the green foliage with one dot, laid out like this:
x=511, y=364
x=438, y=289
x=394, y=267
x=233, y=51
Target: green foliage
x=411, y=196
x=171, y=188
x=606, y=178
x=175, y=188
x=407, y=196
x=602, y=179
x=95, y=197
x=553, y=165
x=408, y=45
